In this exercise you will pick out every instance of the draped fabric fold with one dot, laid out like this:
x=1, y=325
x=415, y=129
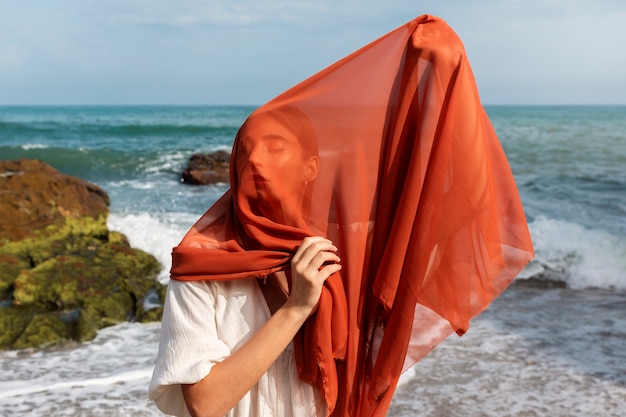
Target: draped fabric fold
x=390, y=154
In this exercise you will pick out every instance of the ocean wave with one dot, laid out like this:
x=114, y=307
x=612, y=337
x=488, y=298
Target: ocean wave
x=29, y=146
x=567, y=254
x=30, y=387
x=121, y=128
x=154, y=234
x=174, y=161
x=106, y=376
x=576, y=256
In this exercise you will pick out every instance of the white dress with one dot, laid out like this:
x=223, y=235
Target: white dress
x=203, y=322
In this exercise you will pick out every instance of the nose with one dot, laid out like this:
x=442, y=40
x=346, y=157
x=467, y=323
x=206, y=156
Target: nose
x=257, y=156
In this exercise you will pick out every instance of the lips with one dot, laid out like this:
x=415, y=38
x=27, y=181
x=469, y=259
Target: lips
x=258, y=179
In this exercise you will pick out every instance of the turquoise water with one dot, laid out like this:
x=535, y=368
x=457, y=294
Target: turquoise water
x=136, y=153
x=569, y=163
x=109, y=143
x=535, y=351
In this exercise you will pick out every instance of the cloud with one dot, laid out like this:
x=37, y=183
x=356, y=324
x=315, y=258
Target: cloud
x=248, y=51
x=185, y=13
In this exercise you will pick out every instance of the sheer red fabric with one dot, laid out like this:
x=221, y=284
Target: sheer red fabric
x=390, y=154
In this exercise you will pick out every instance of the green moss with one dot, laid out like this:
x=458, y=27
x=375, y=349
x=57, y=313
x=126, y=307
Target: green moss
x=116, y=308
x=154, y=314
x=43, y=330
x=75, y=236
x=11, y=268
x=135, y=270
x=119, y=238
x=67, y=281
x=54, y=283
x=88, y=324
x=13, y=322
x=80, y=267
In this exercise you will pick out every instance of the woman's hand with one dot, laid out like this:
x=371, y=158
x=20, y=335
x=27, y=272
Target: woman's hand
x=315, y=260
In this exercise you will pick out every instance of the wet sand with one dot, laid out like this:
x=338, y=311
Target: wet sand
x=534, y=352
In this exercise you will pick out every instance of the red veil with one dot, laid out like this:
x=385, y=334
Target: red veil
x=412, y=186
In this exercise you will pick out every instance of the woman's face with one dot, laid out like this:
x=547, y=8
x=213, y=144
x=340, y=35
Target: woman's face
x=270, y=163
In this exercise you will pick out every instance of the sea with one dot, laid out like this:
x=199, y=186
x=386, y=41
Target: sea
x=553, y=344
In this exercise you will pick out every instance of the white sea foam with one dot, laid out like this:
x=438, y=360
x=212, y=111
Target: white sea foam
x=214, y=148
x=137, y=184
x=108, y=376
x=168, y=162
x=517, y=359
x=175, y=161
x=407, y=376
x=581, y=257
x=32, y=387
x=568, y=252
x=29, y=146
x=152, y=234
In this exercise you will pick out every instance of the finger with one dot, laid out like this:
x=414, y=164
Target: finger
x=311, y=262
x=322, y=258
x=310, y=242
x=310, y=247
x=328, y=270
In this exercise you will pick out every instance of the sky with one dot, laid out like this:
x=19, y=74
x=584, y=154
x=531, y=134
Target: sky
x=90, y=52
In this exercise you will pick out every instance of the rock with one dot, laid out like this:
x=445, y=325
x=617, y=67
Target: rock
x=211, y=168
x=11, y=267
x=539, y=282
x=35, y=195
x=42, y=330
x=64, y=275
x=13, y=322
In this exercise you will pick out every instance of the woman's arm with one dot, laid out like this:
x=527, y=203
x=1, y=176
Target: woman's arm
x=229, y=380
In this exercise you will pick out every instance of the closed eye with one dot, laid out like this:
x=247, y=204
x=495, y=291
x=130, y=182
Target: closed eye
x=276, y=144
x=276, y=149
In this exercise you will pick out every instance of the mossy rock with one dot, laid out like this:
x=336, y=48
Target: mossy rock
x=63, y=274
x=82, y=267
x=13, y=322
x=43, y=330
x=36, y=195
x=67, y=282
x=54, y=284
x=154, y=314
x=76, y=236
x=88, y=324
x=11, y=268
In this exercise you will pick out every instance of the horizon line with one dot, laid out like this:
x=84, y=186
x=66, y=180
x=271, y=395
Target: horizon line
x=258, y=105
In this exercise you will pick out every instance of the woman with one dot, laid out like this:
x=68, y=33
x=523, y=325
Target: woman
x=242, y=329
x=414, y=191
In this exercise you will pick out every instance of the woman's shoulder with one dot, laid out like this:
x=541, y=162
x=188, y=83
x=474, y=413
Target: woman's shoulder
x=216, y=287
x=236, y=307
x=222, y=294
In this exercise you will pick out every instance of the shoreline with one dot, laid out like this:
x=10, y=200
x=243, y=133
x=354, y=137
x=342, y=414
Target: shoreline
x=534, y=352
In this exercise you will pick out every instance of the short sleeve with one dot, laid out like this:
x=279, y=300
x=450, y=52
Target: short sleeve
x=189, y=346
